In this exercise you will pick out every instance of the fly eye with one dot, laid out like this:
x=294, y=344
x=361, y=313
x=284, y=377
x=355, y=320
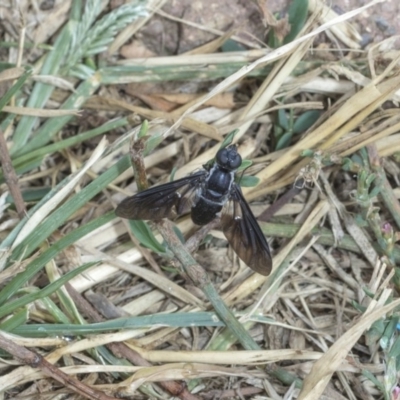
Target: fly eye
x=222, y=157
x=235, y=161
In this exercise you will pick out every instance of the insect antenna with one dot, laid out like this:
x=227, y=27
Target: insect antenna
x=245, y=165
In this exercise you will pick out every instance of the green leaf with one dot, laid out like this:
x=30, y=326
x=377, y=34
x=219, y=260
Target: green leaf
x=368, y=292
x=357, y=159
x=143, y=129
x=298, y=11
x=228, y=139
x=283, y=120
x=278, y=131
x=8, y=241
x=390, y=329
x=284, y=141
x=244, y=165
x=375, y=332
x=395, y=349
x=82, y=71
x=307, y=153
x=305, y=120
x=374, y=380
x=358, y=306
x=28, y=166
x=249, y=181
x=232, y=45
x=144, y=234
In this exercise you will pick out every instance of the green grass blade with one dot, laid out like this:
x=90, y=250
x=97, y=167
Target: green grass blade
x=15, y=88
x=144, y=234
x=36, y=265
x=54, y=310
x=31, y=195
x=8, y=241
x=96, y=39
x=47, y=291
x=41, y=91
x=62, y=213
x=72, y=141
x=53, y=125
x=298, y=12
x=19, y=318
x=176, y=320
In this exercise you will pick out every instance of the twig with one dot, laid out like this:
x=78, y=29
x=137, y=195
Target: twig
x=11, y=177
x=136, y=150
x=35, y=360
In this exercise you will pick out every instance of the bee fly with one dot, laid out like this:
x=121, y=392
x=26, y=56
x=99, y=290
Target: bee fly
x=205, y=194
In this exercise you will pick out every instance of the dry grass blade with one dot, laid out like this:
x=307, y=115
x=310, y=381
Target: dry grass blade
x=37, y=112
x=229, y=357
x=41, y=214
x=343, y=30
x=322, y=371
x=273, y=56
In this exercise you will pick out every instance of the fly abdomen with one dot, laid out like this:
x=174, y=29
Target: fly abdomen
x=205, y=210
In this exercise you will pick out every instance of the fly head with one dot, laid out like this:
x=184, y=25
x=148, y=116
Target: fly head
x=228, y=158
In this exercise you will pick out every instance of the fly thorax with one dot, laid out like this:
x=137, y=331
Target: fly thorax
x=219, y=181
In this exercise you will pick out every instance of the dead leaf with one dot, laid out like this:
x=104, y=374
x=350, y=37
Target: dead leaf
x=11, y=73
x=212, y=46
x=156, y=103
x=280, y=27
x=136, y=49
x=268, y=18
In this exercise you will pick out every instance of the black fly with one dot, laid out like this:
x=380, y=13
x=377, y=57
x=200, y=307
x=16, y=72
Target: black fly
x=205, y=194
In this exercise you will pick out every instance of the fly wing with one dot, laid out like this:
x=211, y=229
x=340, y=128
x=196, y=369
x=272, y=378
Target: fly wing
x=244, y=234
x=163, y=201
